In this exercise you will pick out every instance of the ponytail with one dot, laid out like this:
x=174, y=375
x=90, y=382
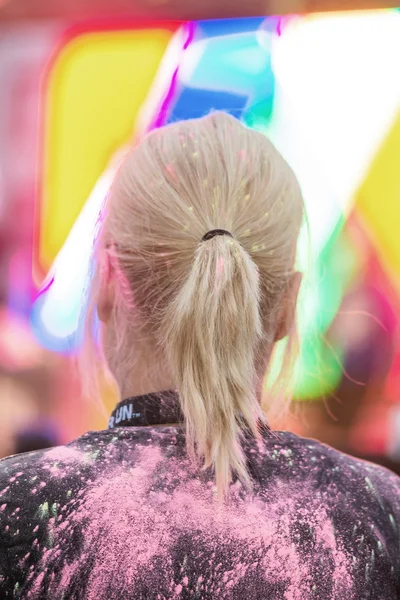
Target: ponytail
x=211, y=330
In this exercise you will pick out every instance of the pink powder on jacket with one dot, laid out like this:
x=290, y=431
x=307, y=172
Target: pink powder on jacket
x=139, y=525
x=66, y=454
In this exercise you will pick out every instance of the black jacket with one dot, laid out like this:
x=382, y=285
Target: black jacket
x=124, y=514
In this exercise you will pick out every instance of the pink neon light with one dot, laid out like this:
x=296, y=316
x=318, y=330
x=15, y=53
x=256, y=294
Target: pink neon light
x=162, y=112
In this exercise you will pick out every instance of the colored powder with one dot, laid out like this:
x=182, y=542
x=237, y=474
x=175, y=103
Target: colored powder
x=64, y=454
x=130, y=525
x=140, y=516
x=220, y=266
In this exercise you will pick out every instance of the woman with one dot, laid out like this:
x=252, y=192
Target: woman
x=188, y=494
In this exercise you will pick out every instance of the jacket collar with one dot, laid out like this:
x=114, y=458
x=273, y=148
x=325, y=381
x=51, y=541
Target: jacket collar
x=158, y=408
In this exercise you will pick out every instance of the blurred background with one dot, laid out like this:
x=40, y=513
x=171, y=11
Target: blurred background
x=80, y=80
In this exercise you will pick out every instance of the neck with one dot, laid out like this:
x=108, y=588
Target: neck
x=154, y=379
x=140, y=385
x=131, y=391
x=148, y=371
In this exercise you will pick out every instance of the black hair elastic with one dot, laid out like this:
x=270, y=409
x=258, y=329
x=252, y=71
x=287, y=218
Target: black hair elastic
x=213, y=232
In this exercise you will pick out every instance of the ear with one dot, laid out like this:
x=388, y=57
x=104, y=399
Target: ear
x=288, y=310
x=106, y=293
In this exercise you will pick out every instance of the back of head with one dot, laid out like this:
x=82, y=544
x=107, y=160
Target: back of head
x=211, y=308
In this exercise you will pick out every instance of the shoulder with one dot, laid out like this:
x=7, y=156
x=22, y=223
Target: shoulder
x=18, y=467
x=354, y=476
x=16, y=470
x=371, y=482
x=86, y=457
x=371, y=475
x=27, y=478
x=80, y=450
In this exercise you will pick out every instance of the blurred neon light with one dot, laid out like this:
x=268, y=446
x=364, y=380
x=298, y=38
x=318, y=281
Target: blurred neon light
x=55, y=315
x=93, y=93
x=328, y=121
x=325, y=123
x=343, y=97
x=165, y=81
x=383, y=218
x=56, y=312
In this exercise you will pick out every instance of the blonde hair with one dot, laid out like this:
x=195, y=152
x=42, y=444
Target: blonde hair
x=211, y=306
